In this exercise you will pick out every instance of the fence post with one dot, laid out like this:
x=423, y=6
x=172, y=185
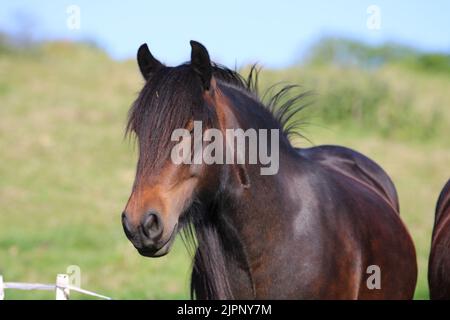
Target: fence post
x=2, y=292
x=62, y=292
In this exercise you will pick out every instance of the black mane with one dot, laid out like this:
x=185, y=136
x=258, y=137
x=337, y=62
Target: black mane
x=173, y=96
x=283, y=102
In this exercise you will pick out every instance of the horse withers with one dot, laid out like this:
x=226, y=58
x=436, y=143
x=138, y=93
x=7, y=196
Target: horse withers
x=325, y=225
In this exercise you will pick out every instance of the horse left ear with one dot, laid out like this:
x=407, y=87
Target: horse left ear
x=201, y=63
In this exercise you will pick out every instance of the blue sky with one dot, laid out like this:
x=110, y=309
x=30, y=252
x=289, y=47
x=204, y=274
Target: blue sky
x=274, y=33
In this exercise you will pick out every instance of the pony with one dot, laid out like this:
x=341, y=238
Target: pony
x=439, y=261
x=325, y=226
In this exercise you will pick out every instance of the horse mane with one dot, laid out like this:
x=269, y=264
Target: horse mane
x=211, y=241
x=284, y=101
x=159, y=103
x=443, y=204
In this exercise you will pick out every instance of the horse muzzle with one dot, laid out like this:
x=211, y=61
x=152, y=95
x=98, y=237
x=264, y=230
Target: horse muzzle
x=147, y=237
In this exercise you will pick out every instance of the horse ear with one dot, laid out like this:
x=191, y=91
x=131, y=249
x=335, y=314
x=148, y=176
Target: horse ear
x=147, y=62
x=201, y=63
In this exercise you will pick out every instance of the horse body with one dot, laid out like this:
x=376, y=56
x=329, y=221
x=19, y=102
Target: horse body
x=356, y=165
x=316, y=240
x=439, y=262
x=311, y=231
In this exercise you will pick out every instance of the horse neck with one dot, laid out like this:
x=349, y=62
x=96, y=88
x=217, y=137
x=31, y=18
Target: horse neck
x=237, y=231
x=266, y=194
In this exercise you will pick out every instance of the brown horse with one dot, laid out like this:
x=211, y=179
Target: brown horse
x=439, y=263
x=323, y=227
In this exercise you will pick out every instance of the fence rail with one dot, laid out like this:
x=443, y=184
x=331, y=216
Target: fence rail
x=62, y=288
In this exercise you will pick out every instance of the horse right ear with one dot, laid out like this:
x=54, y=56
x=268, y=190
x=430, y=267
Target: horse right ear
x=147, y=62
x=201, y=63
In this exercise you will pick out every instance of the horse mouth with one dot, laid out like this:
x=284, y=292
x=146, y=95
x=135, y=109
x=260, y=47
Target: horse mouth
x=162, y=250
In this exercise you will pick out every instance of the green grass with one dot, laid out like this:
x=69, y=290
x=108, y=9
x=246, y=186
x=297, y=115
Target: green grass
x=66, y=170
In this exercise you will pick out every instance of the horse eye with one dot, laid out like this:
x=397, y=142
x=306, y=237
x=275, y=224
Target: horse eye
x=194, y=170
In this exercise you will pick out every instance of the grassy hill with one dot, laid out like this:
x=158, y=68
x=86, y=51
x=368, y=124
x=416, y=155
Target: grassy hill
x=66, y=171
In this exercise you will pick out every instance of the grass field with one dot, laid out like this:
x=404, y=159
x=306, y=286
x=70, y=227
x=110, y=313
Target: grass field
x=66, y=169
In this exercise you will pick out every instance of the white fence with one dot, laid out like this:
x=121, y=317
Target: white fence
x=62, y=288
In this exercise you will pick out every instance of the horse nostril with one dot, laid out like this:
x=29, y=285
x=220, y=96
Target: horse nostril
x=152, y=226
x=126, y=226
